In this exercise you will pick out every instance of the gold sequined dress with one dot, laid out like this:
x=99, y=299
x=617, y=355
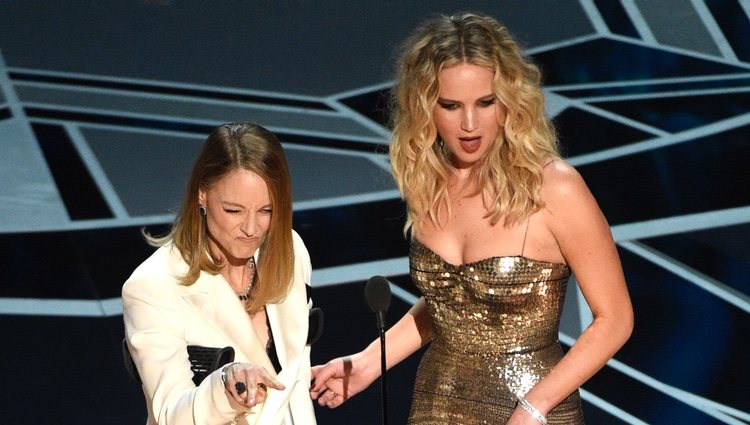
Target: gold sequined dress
x=495, y=325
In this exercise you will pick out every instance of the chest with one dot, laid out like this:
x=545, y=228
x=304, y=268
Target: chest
x=468, y=234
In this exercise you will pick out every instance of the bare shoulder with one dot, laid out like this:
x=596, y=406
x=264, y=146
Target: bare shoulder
x=562, y=184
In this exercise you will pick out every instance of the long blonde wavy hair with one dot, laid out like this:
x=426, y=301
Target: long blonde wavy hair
x=230, y=147
x=510, y=174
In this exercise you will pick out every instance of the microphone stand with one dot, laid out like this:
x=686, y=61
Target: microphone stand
x=383, y=374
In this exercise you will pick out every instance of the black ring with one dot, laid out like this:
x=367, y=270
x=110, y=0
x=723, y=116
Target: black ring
x=240, y=387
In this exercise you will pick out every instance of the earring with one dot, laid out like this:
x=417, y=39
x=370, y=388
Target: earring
x=202, y=209
x=440, y=143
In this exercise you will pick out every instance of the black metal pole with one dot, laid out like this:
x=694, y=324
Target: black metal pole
x=383, y=380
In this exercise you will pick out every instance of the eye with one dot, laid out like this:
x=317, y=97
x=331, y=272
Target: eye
x=448, y=105
x=266, y=210
x=231, y=210
x=487, y=102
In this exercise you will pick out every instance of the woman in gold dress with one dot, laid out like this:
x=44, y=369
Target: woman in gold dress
x=498, y=222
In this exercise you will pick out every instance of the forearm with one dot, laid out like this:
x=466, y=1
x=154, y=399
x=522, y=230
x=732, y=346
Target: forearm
x=595, y=346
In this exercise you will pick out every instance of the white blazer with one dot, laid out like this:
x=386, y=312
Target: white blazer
x=162, y=317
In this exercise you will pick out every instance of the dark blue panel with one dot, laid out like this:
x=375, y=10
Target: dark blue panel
x=686, y=337
x=353, y=233
x=594, y=415
x=696, y=176
x=609, y=60
x=87, y=264
x=110, y=255
x=43, y=265
x=583, y=132
x=616, y=18
x=80, y=355
x=734, y=24
x=721, y=253
x=349, y=327
x=373, y=105
x=5, y=113
x=680, y=113
x=74, y=182
x=643, y=401
x=630, y=89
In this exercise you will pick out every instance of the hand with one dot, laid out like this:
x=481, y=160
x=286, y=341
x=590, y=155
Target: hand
x=338, y=380
x=249, y=383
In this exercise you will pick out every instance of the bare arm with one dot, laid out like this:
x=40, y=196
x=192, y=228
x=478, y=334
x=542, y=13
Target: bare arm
x=584, y=239
x=343, y=377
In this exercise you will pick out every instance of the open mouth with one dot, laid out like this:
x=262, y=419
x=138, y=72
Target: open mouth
x=470, y=144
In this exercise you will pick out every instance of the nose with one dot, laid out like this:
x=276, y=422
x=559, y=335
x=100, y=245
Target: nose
x=469, y=120
x=249, y=225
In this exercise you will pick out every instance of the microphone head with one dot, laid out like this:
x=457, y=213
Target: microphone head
x=378, y=294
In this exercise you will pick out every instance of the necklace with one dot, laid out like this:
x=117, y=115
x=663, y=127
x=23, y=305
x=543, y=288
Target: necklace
x=245, y=294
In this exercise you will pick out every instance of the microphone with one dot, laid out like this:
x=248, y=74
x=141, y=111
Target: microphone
x=378, y=297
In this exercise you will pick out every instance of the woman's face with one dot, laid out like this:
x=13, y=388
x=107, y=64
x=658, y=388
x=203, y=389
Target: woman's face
x=467, y=113
x=238, y=215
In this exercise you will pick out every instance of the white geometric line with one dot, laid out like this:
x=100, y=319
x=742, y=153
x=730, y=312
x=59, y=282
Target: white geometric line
x=708, y=284
x=704, y=405
x=178, y=98
x=113, y=306
x=647, y=145
x=663, y=94
x=618, y=118
x=361, y=90
x=170, y=84
x=106, y=223
x=640, y=24
x=585, y=316
x=591, y=11
x=156, y=131
x=358, y=118
x=383, y=162
x=714, y=30
x=160, y=219
x=649, y=81
x=681, y=224
x=97, y=172
x=562, y=43
x=52, y=307
x=200, y=121
x=346, y=200
x=6, y=86
x=360, y=272
x=679, y=51
x=611, y=408
x=745, y=5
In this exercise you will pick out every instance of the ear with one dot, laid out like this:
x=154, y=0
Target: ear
x=201, y=197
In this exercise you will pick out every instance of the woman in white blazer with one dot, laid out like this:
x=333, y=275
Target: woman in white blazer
x=231, y=272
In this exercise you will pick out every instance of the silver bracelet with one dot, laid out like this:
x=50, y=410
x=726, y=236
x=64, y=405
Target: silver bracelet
x=536, y=414
x=224, y=374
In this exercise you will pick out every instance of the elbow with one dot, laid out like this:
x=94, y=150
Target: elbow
x=625, y=325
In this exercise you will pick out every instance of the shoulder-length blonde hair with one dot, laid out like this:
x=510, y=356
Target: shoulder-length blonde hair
x=230, y=147
x=510, y=174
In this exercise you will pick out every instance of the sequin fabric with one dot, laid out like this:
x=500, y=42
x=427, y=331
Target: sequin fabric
x=495, y=325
